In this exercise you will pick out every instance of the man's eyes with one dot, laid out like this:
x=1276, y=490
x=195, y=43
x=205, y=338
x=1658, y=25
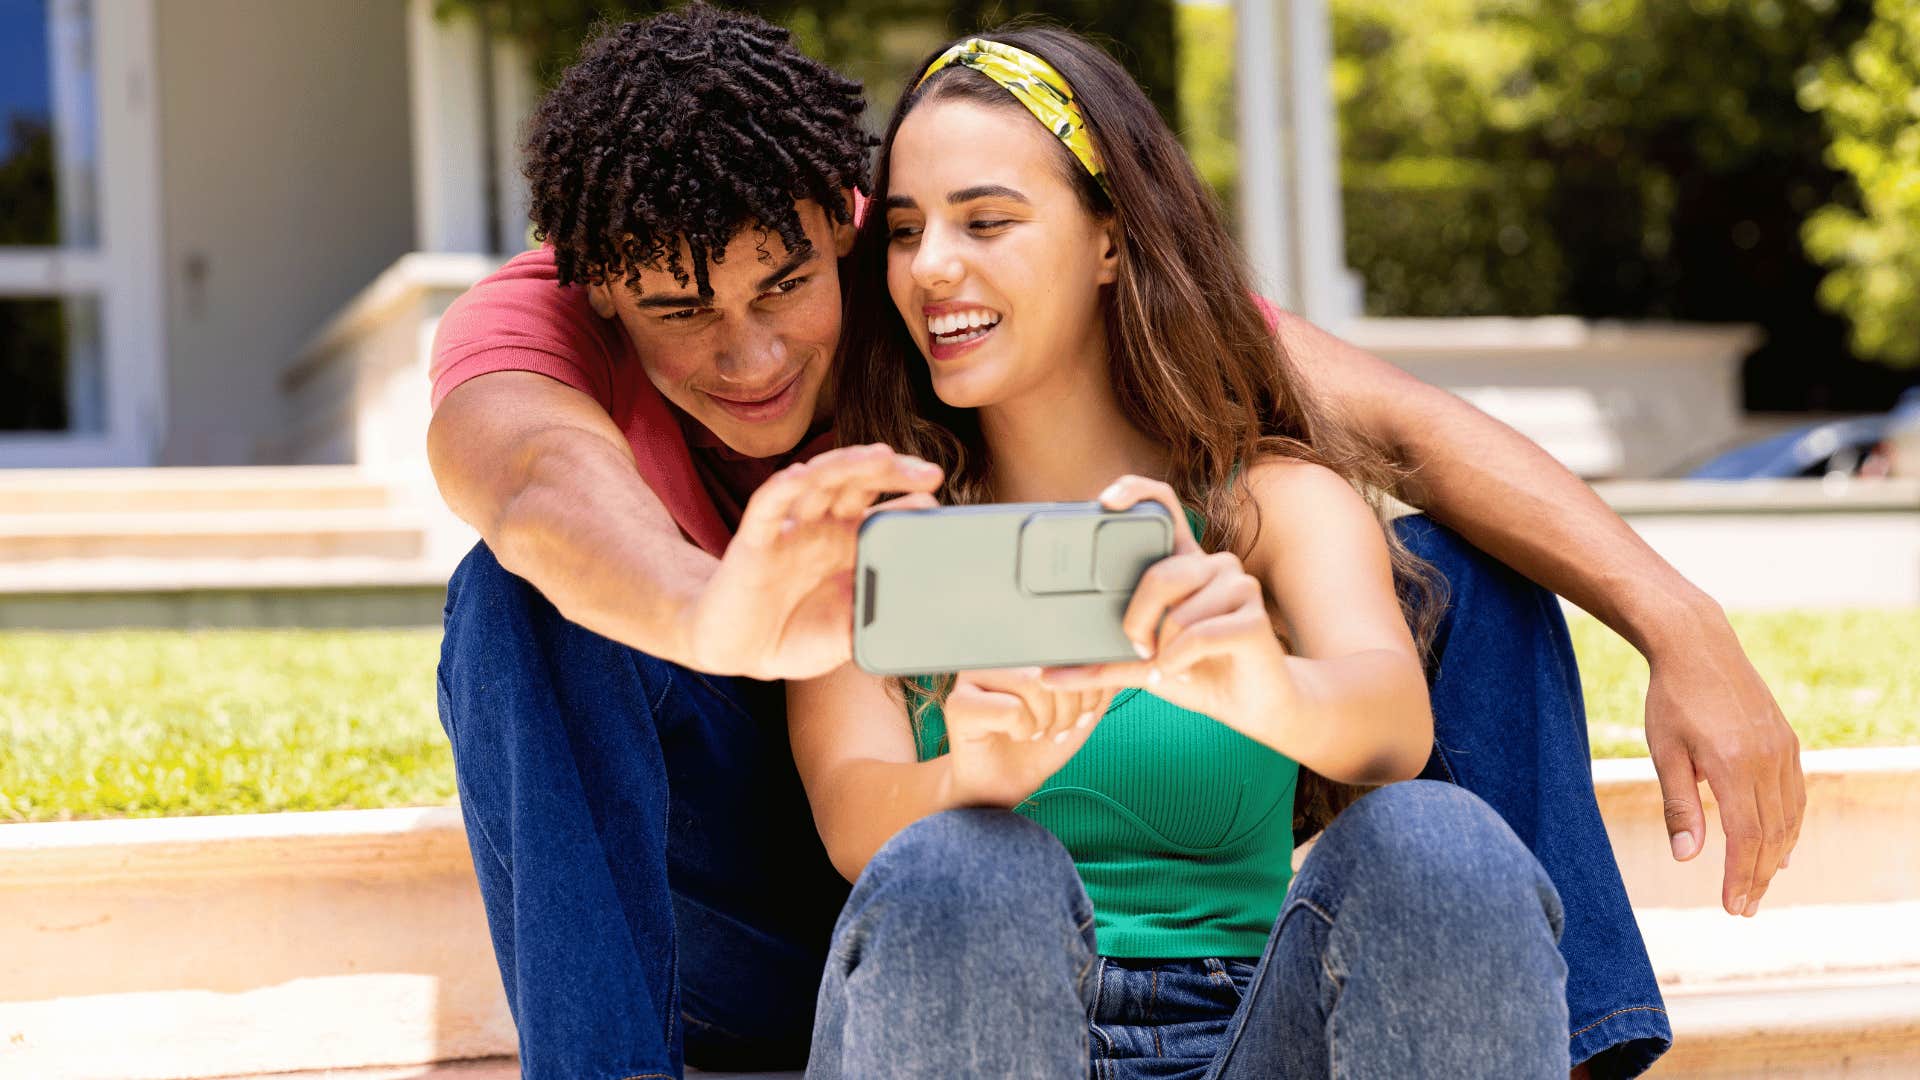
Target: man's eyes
x=689, y=314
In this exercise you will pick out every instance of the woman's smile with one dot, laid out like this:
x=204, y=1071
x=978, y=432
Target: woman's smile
x=953, y=329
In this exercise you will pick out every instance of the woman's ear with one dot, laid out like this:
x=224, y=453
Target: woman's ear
x=1110, y=257
x=602, y=300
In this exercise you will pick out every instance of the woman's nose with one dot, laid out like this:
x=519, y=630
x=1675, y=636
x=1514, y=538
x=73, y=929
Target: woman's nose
x=936, y=266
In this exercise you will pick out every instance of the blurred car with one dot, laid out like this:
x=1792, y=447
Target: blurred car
x=1883, y=445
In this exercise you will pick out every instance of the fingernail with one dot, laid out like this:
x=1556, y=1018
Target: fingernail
x=1682, y=844
x=1143, y=649
x=1739, y=904
x=1183, y=677
x=1112, y=492
x=1753, y=906
x=1035, y=737
x=1060, y=736
x=1153, y=676
x=1085, y=719
x=1785, y=860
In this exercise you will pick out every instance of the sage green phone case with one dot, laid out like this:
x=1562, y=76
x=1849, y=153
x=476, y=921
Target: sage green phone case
x=1000, y=585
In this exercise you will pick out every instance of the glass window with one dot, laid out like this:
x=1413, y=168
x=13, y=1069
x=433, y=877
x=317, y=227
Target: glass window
x=47, y=124
x=50, y=366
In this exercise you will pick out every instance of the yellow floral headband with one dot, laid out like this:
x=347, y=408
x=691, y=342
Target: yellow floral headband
x=1035, y=84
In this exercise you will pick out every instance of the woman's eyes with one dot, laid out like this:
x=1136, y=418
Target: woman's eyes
x=981, y=226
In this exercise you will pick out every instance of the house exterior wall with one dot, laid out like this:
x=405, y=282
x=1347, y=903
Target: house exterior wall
x=286, y=187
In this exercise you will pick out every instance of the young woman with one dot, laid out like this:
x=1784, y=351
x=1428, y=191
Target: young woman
x=1090, y=870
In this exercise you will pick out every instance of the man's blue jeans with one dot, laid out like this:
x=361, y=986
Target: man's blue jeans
x=651, y=872
x=1417, y=940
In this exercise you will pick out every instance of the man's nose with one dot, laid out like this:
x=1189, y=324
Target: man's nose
x=753, y=351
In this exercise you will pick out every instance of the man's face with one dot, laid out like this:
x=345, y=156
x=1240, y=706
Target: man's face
x=749, y=361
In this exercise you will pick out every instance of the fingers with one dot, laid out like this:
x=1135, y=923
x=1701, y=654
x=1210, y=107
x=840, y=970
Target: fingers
x=1172, y=583
x=1133, y=490
x=1047, y=714
x=974, y=711
x=842, y=482
x=1686, y=824
x=1022, y=684
x=1793, y=788
x=919, y=500
x=1740, y=818
x=1206, y=640
x=1229, y=591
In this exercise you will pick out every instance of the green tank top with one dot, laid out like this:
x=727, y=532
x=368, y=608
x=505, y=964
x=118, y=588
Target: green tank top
x=1181, y=828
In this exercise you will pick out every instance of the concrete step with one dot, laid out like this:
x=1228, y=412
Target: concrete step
x=1817, y=990
x=318, y=546
x=118, y=491
x=1859, y=841
x=70, y=543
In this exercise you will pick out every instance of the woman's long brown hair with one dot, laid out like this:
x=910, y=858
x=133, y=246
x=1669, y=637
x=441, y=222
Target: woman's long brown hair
x=1192, y=357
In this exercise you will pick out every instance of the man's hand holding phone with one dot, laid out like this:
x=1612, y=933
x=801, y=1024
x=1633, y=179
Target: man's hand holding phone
x=780, y=603
x=1200, y=624
x=1007, y=733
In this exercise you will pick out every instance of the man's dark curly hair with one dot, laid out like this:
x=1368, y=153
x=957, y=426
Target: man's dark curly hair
x=693, y=124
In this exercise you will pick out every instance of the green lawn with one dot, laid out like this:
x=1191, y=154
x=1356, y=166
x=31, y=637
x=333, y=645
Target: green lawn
x=159, y=723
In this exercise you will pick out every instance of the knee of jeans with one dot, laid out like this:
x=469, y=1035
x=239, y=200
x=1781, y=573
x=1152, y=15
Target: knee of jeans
x=1430, y=843
x=974, y=865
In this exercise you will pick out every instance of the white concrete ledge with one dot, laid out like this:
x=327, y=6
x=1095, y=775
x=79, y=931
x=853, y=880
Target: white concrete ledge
x=260, y=943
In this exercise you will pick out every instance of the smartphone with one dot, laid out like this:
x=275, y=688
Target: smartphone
x=1000, y=584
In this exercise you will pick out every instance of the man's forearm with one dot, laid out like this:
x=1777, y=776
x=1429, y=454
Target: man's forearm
x=602, y=563
x=1506, y=495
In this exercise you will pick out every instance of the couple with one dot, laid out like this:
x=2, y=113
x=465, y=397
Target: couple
x=1043, y=299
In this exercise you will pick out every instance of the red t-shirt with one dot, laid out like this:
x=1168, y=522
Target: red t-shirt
x=520, y=319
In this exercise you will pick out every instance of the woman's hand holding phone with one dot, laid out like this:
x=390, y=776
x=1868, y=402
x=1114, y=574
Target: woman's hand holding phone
x=1006, y=733
x=1200, y=624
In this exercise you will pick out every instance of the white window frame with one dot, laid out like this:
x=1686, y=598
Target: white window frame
x=123, y=270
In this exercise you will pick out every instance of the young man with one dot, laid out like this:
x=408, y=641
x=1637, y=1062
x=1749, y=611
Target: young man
x=633, y=419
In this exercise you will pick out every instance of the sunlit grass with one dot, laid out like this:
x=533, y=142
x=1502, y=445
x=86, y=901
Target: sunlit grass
x=127, y=724
x=1847, y=678
x=152, y=723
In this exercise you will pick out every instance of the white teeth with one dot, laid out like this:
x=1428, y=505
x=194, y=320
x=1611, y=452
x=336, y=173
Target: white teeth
x=956, y=322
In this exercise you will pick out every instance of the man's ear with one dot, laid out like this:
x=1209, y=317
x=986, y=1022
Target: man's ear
x=843, y=233
x=1110, y=257
x=601, y=297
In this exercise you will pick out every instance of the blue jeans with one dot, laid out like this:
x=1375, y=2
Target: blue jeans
x=650, y=871
x=1417, y=940
x=651, y=874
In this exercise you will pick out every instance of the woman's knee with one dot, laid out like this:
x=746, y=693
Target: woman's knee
x=1429, y=844
x=975, y=866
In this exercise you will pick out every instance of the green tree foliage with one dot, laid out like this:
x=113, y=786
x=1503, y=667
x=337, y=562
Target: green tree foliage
x=1599, y=157
x=1870, y=100
x=875, y=41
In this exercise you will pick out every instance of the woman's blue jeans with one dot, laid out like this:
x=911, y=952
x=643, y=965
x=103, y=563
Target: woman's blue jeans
x=654, y=886
x=1418, y=939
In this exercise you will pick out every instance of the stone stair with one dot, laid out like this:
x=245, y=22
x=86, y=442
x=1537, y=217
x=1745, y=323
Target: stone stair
x=1825, y=980
x=295, y=545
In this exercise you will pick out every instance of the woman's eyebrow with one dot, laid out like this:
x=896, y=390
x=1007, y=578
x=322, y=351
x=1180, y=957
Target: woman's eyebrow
x=987, y=191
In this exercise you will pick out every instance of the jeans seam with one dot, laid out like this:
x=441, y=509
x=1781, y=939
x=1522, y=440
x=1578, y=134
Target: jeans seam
x=666, y=687
x=1614, y=1013
x=727, y=699
x=1153, y=999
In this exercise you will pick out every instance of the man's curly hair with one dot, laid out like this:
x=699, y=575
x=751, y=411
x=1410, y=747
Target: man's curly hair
x=693, y=124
